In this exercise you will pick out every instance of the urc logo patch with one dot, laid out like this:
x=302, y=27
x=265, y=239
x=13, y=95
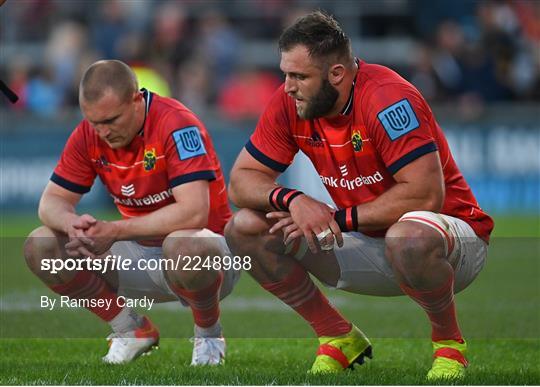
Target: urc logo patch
x=189, y=142
x=398, y=119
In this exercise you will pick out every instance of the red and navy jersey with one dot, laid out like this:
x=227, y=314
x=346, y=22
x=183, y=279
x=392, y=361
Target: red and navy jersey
x=385, y=125
x=172, y=148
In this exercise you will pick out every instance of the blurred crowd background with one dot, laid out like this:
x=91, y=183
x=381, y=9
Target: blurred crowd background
x=476, y=62
x=221, y=57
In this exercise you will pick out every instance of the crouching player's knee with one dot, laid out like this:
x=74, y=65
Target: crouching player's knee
x=248, y=232
x=187, y=251
x=413, y=248
x=42, y=243
x=245, y=225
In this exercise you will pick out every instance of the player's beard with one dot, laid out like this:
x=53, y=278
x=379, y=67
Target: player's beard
x=321, y=103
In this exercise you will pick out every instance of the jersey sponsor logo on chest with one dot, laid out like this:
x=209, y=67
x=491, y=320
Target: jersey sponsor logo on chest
x=352, y=183
x=128, y=190
x=144, y=201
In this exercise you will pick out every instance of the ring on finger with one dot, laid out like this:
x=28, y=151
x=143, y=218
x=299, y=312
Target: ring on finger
x=321, y=237
x=323, y=234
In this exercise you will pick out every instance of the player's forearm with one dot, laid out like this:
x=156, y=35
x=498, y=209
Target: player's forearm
x=386, y=209
x=250, y=188
x=176, y=216
x=56, y=213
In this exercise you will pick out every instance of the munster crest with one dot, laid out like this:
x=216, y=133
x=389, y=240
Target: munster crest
x=149, y=160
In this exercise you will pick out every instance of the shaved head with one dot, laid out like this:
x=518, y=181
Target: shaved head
x=107, y=75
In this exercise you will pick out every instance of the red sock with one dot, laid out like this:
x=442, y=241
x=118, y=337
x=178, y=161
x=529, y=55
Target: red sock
x=299, y=292
x=88, y=285
x=440, y=308
x=204, y=303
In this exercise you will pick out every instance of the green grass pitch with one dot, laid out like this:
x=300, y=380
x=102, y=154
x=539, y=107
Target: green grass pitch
x=267, y=343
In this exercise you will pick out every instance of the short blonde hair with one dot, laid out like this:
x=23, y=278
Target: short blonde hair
x=104, y=75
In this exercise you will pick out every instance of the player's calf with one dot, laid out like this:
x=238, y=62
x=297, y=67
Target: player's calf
x=281, y=274
x=199, y=288
x=44, y=243
x=418, y=248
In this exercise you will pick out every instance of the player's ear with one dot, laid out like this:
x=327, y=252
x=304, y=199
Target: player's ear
x=336, y=73
x=136, y=99
x=137, y=95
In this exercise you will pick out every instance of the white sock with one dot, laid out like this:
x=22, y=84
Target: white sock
x=125, y=321
x=212, y=331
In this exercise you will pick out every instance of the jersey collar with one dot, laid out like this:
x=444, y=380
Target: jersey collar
x=147, y=95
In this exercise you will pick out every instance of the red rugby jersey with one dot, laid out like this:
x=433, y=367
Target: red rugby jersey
x=385, y=125
x=173, y=148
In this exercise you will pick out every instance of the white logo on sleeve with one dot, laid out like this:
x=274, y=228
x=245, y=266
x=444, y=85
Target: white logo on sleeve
x=128, y=190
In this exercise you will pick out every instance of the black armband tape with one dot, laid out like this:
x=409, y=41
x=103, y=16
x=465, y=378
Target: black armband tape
x=347, y=219
x=280, y=198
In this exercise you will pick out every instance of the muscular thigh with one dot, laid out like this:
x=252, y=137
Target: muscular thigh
x=140, y=277
x=323, y=265
x=359, y=266
x=364, y=268
x=469, y=255
x=466, y=252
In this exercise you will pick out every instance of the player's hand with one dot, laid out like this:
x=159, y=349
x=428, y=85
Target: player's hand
x=103, y=235
x=84, y=222
x=285, y=223
x=79, y=248
x=79, y=244
x=315, y=218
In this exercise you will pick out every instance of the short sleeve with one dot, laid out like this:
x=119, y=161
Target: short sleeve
x=400, y=123
x=188, y=149
x=75, y=171
x=272, y=143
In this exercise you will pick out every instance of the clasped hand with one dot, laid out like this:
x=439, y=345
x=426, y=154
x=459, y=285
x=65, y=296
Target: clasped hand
x=307, y=217
x=89, y=237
